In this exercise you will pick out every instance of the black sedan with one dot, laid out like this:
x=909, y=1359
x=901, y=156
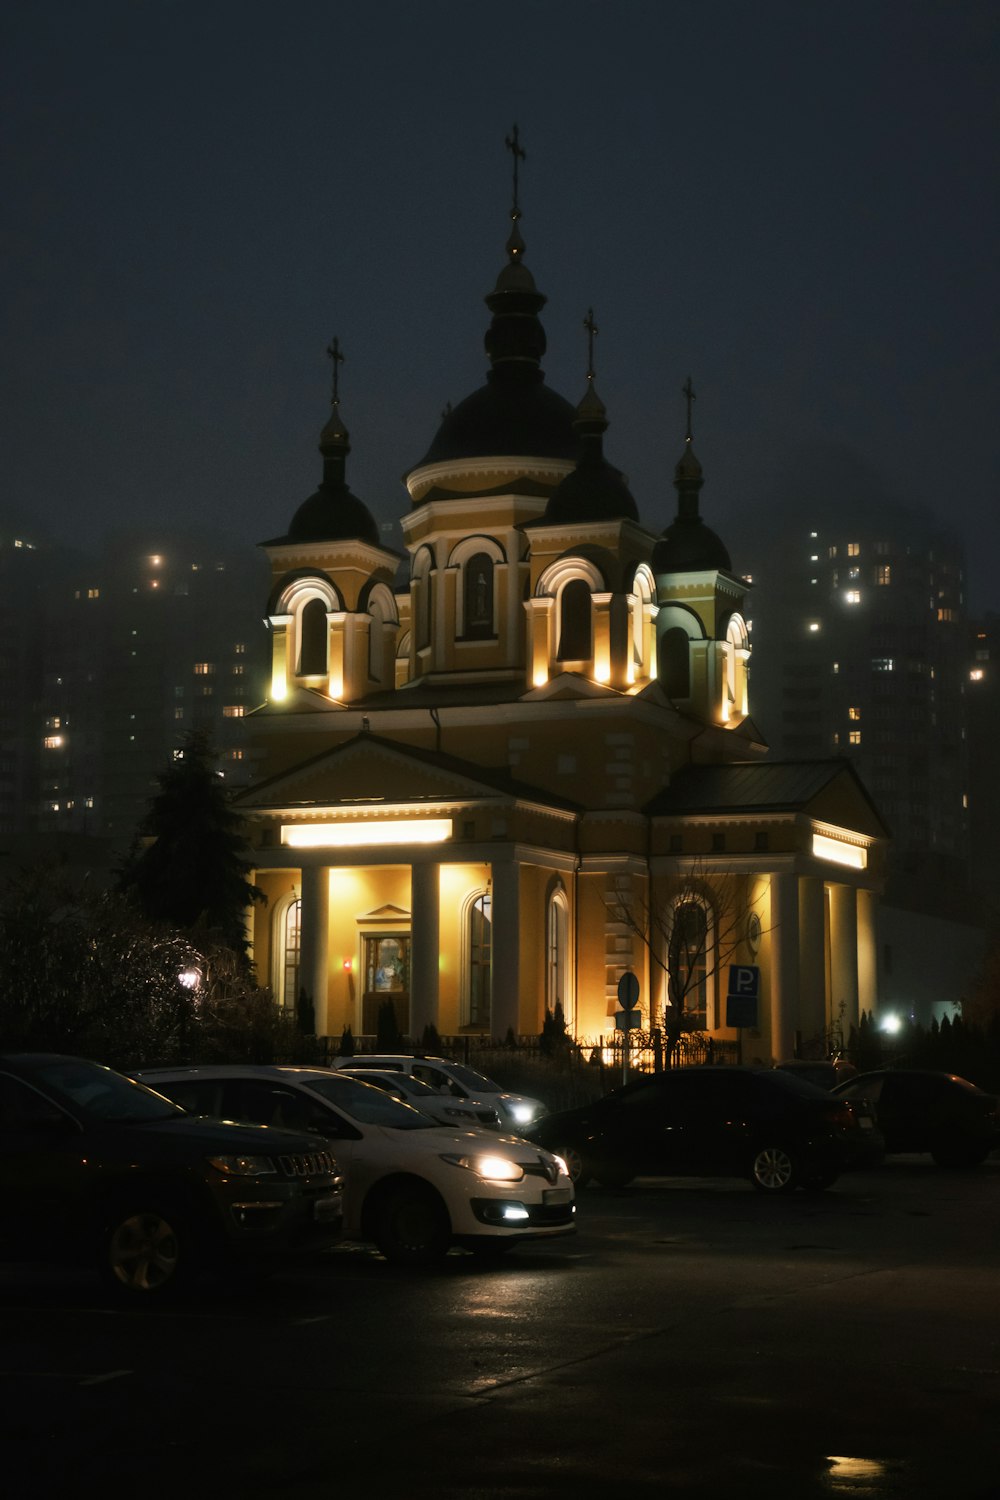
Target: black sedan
x=777, y=1130
x=923, y=1110
x=96, y=1169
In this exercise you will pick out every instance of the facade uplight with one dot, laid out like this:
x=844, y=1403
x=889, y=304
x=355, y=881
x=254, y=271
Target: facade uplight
x=365, y=832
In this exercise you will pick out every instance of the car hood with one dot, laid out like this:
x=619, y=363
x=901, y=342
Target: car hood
x=221, y=1138
x=444, y=1139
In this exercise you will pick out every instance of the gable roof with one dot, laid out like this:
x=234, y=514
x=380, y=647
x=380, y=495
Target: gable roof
x=371, y=768
x=829, y=790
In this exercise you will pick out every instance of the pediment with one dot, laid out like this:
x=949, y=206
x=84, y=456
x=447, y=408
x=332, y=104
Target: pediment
x=568, y=685
x=369, y=769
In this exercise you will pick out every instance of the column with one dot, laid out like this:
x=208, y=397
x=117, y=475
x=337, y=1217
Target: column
x=812, y=1021
x=844, y=955
x=425, y=946
x=315, y=940
x=784, y=964
x=506, y=1006
x=867, y=905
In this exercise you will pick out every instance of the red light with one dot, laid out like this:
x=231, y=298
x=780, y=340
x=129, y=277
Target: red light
x=347, y=963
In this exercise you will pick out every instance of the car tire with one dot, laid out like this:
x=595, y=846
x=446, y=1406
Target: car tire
x=148, y=1250
x=412, y=1227
x=577, y=1166
x=773, y=1170
x=960, y=1156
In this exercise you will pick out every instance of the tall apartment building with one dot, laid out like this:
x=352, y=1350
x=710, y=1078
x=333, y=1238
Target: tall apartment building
x=861, y=633
x=130, y=648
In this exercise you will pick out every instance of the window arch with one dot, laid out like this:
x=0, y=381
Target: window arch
x=286, y=948
x=313, y=639
x=643, y=598
x=479, y=961
x=557, y=977
x=381, y=612
x=477, y=597
x=690, y=956
x=576, y=631
x=420, y=589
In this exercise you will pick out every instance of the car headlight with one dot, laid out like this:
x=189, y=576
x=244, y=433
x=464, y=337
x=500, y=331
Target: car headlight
x=243, y=1166
x=523, y=1113
x=489, y=1168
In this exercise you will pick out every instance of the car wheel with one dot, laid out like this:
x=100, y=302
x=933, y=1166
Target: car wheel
x=773, y=1170
x=147, y=1250
x=960, y=1156
x=578, y=1169
x=412, y=1227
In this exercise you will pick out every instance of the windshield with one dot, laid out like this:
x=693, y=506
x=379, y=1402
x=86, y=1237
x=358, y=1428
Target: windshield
x=476, y=1083
x=101, y=1094
x=368, y=1105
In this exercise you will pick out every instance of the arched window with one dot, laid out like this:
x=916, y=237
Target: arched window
x=675, y=663
x=480, y=951
x=313, y=635
x=420, y=586
x=689, y=963
x=575, y=631
x=286, y=952
x=557, y=957
x=478, y=597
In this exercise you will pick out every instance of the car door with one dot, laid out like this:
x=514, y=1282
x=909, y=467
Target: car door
x=44, y=1171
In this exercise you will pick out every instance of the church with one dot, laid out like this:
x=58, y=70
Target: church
x=499, y=776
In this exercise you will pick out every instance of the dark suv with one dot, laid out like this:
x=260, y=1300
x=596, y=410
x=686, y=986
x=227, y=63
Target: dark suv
x=97, y=1169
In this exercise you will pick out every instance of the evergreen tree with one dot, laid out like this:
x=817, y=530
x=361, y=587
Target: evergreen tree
x=189, y=867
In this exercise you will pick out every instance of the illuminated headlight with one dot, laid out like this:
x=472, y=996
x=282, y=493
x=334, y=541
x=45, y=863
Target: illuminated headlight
x=489, y=1168
x=523, y=1113
x=514, y=1212
x=242, y=1166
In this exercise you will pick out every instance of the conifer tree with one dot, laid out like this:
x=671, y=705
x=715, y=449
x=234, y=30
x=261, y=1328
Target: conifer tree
x=189, y=867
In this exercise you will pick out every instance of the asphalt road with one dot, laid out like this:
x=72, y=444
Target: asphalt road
x=693, y=1339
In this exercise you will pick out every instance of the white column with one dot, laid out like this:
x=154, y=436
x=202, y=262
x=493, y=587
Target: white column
x=315, y=940
x=425, y=946
x=844, y=954
x=811, y=1021
x=784, y=963
x=867, y=952
x=506, y=1005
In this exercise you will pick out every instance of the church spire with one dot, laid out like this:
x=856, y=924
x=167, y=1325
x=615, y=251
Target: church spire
x=688, y=477
x=515, y=339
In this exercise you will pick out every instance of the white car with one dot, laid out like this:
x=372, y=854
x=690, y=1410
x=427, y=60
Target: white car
x=445, y=1108
x=414, y=1188
x=516, y=1111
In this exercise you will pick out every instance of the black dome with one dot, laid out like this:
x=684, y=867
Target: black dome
x=514, y=413
x=596, y=490
x=689, y=546
x=333, y=516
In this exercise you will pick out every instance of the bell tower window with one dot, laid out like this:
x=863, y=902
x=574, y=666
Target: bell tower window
x=575, y=629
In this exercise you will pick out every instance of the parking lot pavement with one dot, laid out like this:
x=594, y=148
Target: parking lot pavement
x=692, y=1340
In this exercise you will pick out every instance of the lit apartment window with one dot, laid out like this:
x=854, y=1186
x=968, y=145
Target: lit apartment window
x=204, y=668
x=233, y=711
x=813, y=626
x=54, y=723
x=240, y=648
x=854, y=738
x=976, y=674
x=93, y=593
x=852, y=596
x=236, y=755
x=882, y=664
x=239, y=670
x=854, y=574
x=53, y=741
x=883, y=574
x=832, y=552
x=854, y=549
x=945, y=615
x=178, y=713
x=854, y=712
x=88, y=801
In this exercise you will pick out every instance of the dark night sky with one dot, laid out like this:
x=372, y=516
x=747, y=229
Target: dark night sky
x=794, y=202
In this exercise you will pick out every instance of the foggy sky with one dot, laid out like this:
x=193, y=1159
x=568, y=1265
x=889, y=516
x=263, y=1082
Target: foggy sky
x=794, y=202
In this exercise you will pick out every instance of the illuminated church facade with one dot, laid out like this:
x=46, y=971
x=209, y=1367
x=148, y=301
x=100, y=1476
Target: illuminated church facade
x=497, y=774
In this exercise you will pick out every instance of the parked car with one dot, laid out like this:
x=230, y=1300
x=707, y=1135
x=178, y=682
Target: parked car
x=414, y=1188
x=769, y=1126
x=97, y=1169
x=470, y=1114
x=457, y=1079
x=825, y=1073
x=922, y=1110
